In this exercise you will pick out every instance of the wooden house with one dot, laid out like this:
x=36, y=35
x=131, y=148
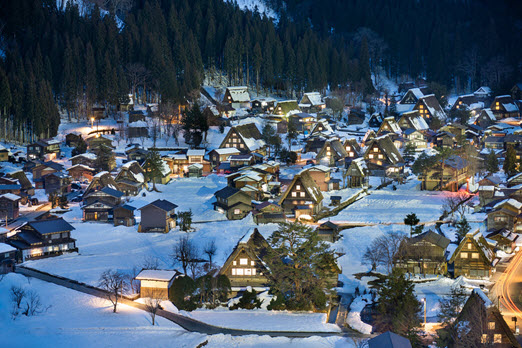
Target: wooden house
x=467, y=102
x=73, y=140
x=515, y=180
x=136, y=153
x=130, y=178
x=480, y=324
x=357, y=174
x=268, y=212
x=302, y=121
x=264, y=104
x=158, y=216
x=321, y=127
x=246, y=266
x=302, y=191
x=57, y=182
x=504, y=240
x=246, y=138
x=155, y=283
x=81, y=172
x=137, y=129
x=217, y=156
x=44, y=150
x=44, y=168
x=412, y=120
x=7, y=258
x=197, y=156
x=416, y=138
x=238, y=161
x=312, y=102
x=315, y=144
x=328, y=231
x=96, y=141
x=99, y=205
x=106, y=194
x=356, y=116
x=136, y=115
x=99, y=181
x=486, y=118
x=413, y=95
x=43, y=238
x=4, y=154
x=238, y=97
x=382, y=152
x=195, y=170
x=473, y=258
x=87, y=159
x=352, y=148
x=162, y=178
x=332, y=154
x=445, y=139
x=321, y=176
x=482, y=93
x=456, y=174
x=505, y=214
x=504, y=106
x=287, y=108
x=389, y=125
x=9, y=206
x=124, y=215
x=424, y=254
x=178, y=163
x=429, y=108
x=233, y=202
x=375, y=120
x=26, y=187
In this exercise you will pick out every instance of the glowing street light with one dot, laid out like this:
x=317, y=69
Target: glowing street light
x=423, y=300
x=92, y=122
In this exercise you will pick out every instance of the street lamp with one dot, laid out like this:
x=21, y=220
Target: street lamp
x=92, y=122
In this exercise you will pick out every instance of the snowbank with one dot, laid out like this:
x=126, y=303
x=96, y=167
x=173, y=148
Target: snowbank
x=354, y=316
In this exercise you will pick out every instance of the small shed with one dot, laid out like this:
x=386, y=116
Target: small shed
x=124, y=215
x=156, y=283
x=335, y=200
x=195, y=170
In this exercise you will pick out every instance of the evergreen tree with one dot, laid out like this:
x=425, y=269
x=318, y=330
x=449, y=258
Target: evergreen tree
x=398, y=307
x=510, y=162
x=463, y=228
x=5, y=94
x=153, y=167
x=104, y=157
x=411, y=220
x=492, y=162
x=301, y=266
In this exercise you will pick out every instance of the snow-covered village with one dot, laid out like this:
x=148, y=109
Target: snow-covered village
x=260, y=173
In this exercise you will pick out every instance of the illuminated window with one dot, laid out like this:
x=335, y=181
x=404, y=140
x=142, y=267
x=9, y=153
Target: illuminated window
x=297, y=187
x=348, y=148
x=463, y=255
x=484, y=338
x=302, y=194
x=252, y=263
x=475, y=256
x=379, y=163
x=328, y=153
x=497, y=338
x=237, y=211
x=469, y=246
x=375, y=149
x=234, y=263
x=239, y=271
x=294, y=194
x=243, y=262
x=351, y=154
x=371, y=156
x=380, y=156
x=491, y=325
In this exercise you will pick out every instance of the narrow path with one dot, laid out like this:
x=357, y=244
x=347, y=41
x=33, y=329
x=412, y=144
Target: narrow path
x=186, y=323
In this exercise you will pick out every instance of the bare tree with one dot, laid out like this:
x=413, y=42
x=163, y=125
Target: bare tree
x=133, y=282
x=137, y=75
x=153, y=304
x=176, y=130
x=115, y=284
x=455, y=203
x=33, y=305
x=150, y=262
x=17, y=294
x=184, y=253
x=384, y=250
x=210, y=250
x=372, y=257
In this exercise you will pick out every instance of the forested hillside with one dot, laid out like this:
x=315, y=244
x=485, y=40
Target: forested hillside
x=459, y=43
x=160, y=53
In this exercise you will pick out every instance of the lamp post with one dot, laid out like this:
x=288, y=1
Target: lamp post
x=92, y=122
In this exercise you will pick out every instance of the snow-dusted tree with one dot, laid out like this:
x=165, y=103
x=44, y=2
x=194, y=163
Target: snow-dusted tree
x=184, y=253
x=114, y=283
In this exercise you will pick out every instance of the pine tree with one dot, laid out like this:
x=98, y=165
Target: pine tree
x=411, y=220
x=5, y=94
x=510, y=162
x=153, y=167
x=463, y=228
x=492, y=162
x=301, y=266
x=398, y=307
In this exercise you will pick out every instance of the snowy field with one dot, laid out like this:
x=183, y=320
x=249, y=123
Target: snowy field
x=265, y=319
x=73, y=319
x=388, y=206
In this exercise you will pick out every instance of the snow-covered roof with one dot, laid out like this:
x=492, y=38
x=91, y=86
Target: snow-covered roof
x=178, y=156
x=100, y=174
x=88, y=155
x=239, y=94
x=483, y=90
x=156, y=274
x=196, y=165
x=138, y=124
x=361, y=164
x=247, y=236
x=417, y=92
x=10, y=196
x=226, y=151
x=6, y=248
x=196, y=153
x=82, y=166
x=483, y=297
x=313, y=97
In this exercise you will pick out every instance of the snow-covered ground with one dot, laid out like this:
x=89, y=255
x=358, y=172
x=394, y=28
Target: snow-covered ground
x=265, y=319
x=73, y=319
